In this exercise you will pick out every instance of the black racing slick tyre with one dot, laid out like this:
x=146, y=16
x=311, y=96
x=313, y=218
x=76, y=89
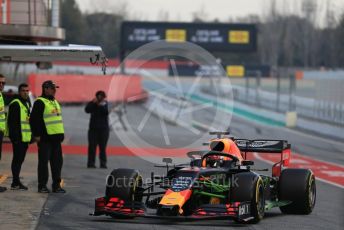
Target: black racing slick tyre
x=258, y=202
x=297, y=186
x=125, y=184
x=250, y=187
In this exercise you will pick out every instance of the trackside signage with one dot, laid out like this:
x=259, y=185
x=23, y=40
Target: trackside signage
x=222, y=37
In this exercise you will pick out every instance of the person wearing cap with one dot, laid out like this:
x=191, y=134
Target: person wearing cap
x=98, y=133
x=2, y=118
x=48, y=131
x=19, y=132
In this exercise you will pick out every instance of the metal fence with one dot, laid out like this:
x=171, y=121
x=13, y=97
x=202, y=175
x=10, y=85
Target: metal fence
x=322, y=100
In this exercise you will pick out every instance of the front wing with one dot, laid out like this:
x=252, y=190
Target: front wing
x=118, y=208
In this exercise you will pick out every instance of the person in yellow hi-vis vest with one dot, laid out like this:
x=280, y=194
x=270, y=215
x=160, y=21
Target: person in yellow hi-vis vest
x=19, y=132
x=48, y=131
x=2, y=118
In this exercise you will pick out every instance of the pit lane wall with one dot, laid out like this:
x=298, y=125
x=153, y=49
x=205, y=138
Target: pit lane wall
x=268, y=117
x=82, y=88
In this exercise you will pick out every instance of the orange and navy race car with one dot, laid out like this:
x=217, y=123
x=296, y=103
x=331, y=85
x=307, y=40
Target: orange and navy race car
x=216, y=184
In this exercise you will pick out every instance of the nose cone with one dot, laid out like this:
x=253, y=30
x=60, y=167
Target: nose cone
x=172, y=199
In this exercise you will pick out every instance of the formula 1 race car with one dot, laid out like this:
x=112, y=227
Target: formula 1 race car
x=216, y=184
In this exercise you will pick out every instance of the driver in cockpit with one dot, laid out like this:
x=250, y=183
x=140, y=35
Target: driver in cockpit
x=224, y=145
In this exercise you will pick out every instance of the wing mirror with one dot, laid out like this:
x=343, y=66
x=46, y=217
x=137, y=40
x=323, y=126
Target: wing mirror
x=247, y=163
x=167, y=160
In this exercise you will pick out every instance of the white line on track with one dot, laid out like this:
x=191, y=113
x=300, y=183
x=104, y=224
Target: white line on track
x=256, y=155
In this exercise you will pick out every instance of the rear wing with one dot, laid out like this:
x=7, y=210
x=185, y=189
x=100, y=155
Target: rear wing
x=262, y=146
x=268, y=146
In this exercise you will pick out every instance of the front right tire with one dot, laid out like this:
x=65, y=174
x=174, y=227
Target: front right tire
x=249, y=187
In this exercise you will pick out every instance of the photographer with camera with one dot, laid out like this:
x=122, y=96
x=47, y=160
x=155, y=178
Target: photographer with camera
x=98, y=133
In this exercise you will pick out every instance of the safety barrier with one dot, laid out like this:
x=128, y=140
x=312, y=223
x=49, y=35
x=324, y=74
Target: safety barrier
x=82, y=88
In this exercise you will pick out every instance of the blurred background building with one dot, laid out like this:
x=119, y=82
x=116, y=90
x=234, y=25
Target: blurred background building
x=30, y=21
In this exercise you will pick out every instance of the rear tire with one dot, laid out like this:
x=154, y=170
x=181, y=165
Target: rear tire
x=124, y=184
x=297, y=186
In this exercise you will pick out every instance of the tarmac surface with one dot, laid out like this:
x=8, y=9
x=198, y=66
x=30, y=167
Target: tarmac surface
x=20, y=210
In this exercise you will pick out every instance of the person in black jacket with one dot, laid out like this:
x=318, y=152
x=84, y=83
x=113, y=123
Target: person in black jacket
x=49, y=145
x=19, y=145
x=98, y=133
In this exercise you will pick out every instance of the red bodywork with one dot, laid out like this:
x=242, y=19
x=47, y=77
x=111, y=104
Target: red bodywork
x=116, y=206
x=284, y=162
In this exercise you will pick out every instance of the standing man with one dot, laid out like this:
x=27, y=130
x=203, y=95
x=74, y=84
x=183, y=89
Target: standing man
x=48, y=131
x=2, y=118
x=19, y=132
x=98, y=133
